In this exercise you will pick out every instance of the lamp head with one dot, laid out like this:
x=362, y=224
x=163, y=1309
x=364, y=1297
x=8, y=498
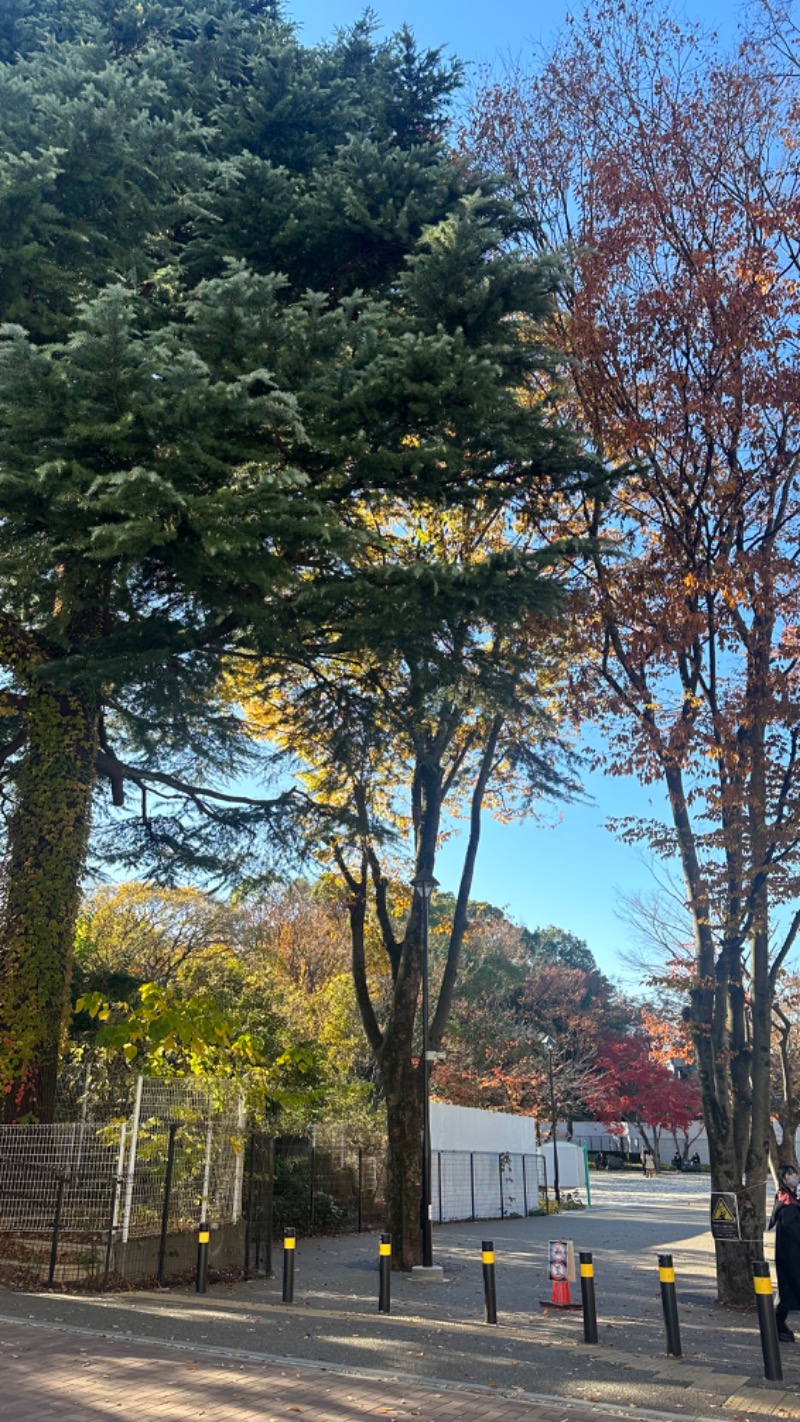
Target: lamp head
x=424, y=886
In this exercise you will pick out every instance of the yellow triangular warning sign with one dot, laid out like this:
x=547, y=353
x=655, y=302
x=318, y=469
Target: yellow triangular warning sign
x=722, y=1212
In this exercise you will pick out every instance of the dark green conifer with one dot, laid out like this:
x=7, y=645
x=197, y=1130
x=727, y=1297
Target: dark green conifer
x=244, y=289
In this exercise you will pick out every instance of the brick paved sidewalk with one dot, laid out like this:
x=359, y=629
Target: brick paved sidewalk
x=53, y=1375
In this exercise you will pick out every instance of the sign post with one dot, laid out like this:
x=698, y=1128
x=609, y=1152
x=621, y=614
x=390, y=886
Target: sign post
x=725, y=1216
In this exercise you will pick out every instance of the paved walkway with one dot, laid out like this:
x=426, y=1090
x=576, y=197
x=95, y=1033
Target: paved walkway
x=53, y=1375
x=333, y=1333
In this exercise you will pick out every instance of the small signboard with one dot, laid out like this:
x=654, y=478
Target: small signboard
x=725, y=1216
x=561, y=1260
x=561, y=1272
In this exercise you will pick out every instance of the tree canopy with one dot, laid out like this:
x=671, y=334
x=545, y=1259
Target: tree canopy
x=245, y=293
x=666, y=166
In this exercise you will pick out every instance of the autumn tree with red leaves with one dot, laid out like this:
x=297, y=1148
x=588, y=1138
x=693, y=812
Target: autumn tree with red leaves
x=667, y=171
x=638, y=1088
x=518, y=987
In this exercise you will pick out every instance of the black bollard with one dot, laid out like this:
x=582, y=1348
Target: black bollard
x=666, y=1274
x=201, y=1279
x=385, y=1274
x=489, y=1290
x=762, y=1283
x=589, y=1301
x=289, y=1241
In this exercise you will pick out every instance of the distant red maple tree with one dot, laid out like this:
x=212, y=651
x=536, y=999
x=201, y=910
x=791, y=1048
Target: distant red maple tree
x=638, y=1088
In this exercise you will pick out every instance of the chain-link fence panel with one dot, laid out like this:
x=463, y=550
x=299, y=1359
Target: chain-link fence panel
x=479, y=1185
x=535, y=1183
x=208, y=1169
x=453, y=1185
x=57, y=1187
x=74, y=1195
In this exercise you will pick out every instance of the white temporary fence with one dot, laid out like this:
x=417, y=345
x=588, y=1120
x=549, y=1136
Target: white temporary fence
x=486, y=1185
x=571, y=1165
x=470, y=1128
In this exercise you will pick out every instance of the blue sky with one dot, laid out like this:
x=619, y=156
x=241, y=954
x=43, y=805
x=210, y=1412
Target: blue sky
x=568, y=873
x=476, y=31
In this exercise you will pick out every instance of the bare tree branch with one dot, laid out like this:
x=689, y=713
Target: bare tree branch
x=465, y=887
x=11, y=747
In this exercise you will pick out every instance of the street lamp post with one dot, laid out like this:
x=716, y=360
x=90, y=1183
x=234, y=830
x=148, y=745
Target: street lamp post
x=425, y=887
x=549, y=1045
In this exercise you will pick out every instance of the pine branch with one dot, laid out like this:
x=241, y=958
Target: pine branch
x=12, y=703
x=21, y=649
x=118, y=771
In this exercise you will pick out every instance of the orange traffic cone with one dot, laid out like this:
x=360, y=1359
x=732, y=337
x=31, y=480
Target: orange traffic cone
x=560, y=1296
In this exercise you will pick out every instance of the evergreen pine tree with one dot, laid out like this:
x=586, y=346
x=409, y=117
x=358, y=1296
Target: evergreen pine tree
x=244, y=291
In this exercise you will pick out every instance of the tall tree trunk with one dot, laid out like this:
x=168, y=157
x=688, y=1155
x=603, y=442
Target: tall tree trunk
x=737, y=1153
x=404, y=1166
x=657, y=1147
x=402, y=1083
x=732, y=1082
x=45, y=858
x=394, y=1045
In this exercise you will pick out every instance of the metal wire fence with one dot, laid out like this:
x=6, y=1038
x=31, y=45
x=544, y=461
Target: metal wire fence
x=338, y=1189
x=56, y=1188
x=73, y=1195
x=90, y=1201
x=208, y=1156
x=330, y=1189
x=483, y=1185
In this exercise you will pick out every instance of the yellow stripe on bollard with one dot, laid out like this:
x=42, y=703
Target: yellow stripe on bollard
x=203, y=1237
x=762, y=1286
x=289, y=1243
x=487, y=1256
x=587, y=1271
x=385, y=1248
x=667, y=1276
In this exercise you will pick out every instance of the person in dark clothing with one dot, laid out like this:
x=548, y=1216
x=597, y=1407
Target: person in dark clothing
x=786, y=1223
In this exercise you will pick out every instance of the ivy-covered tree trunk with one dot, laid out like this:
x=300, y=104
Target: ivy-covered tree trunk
x=45, y=858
